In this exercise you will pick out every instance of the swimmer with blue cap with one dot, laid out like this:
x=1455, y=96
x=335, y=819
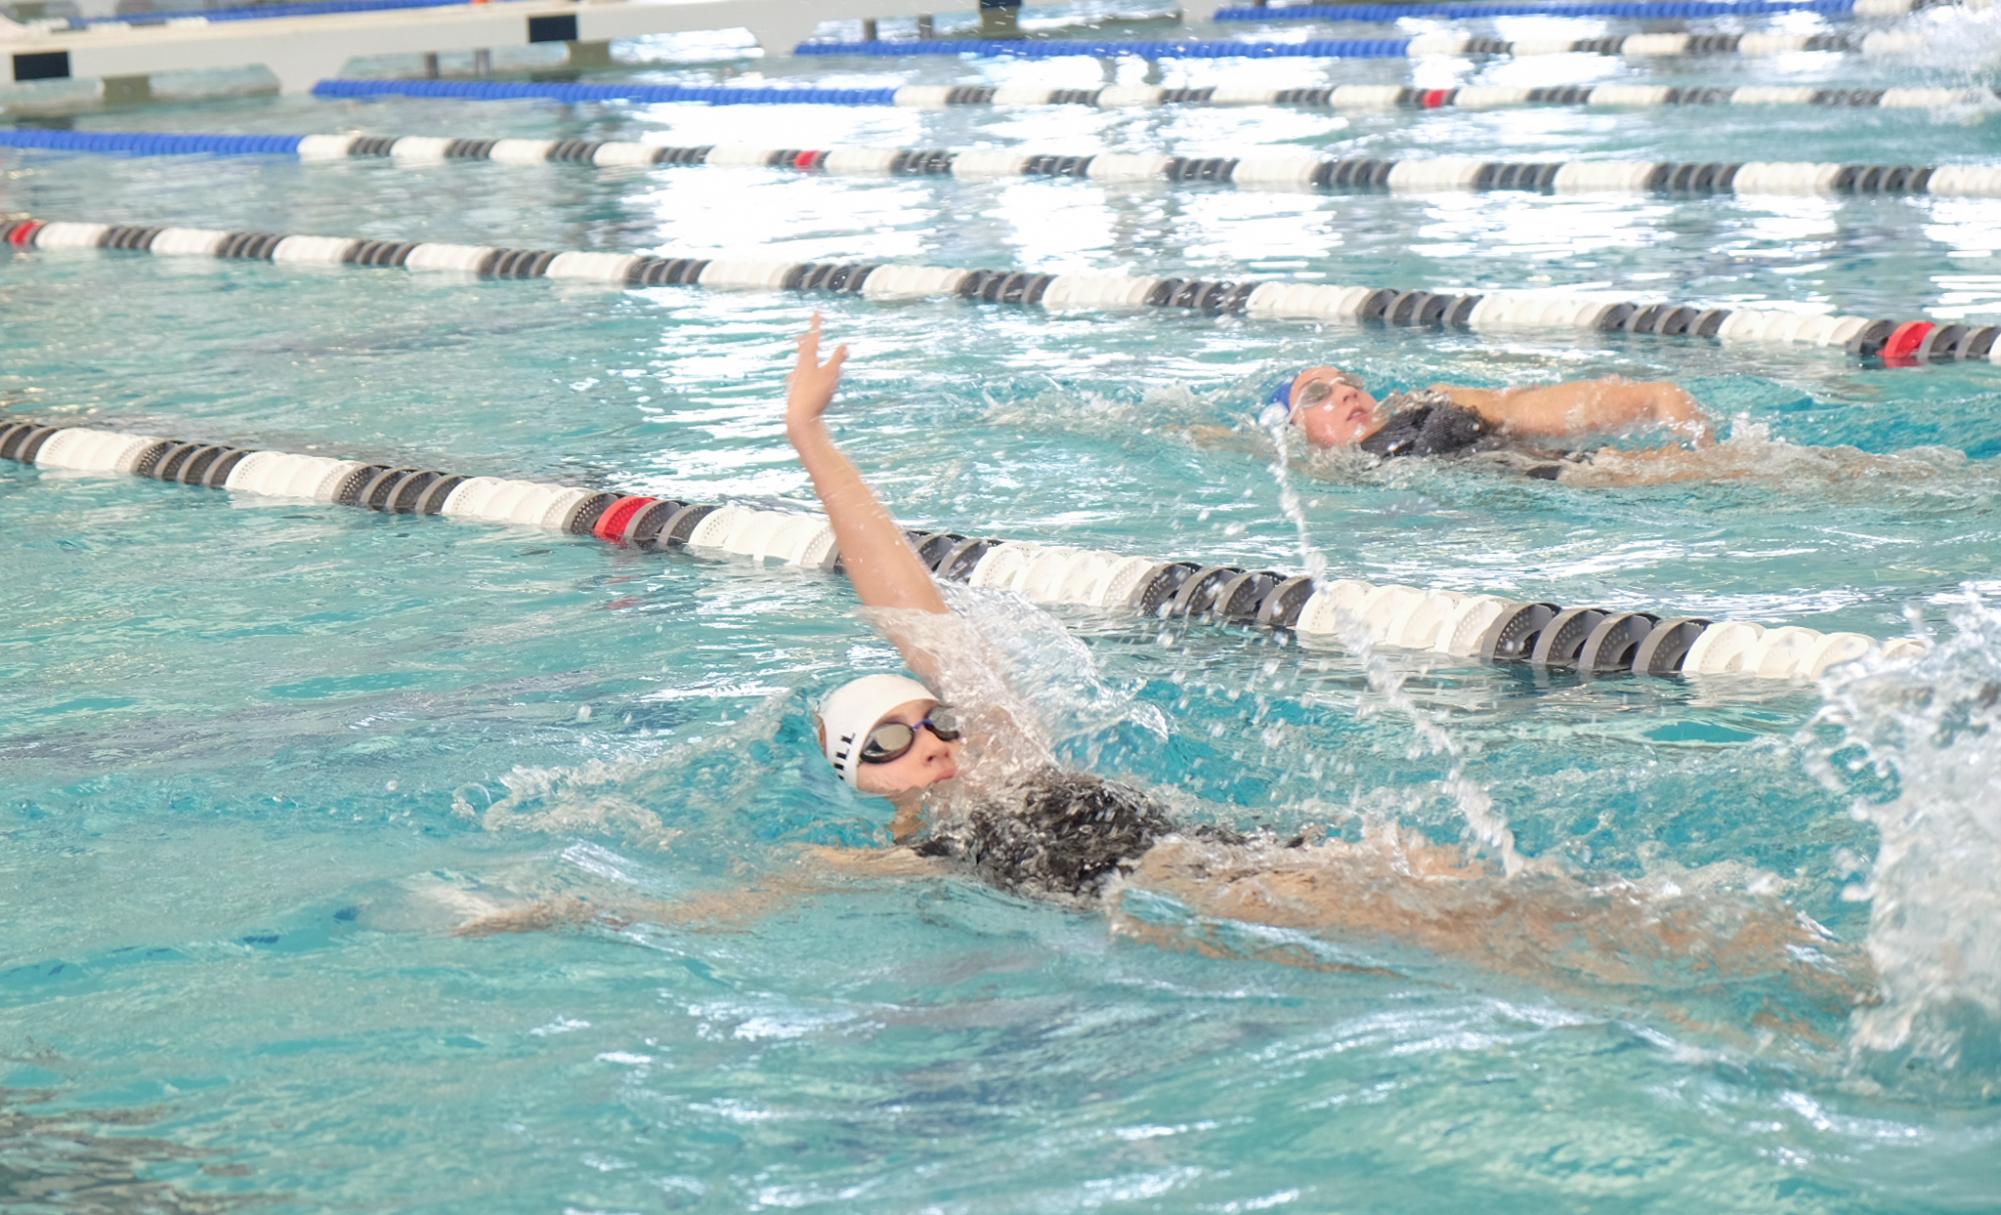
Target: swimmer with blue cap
x=1333, y=408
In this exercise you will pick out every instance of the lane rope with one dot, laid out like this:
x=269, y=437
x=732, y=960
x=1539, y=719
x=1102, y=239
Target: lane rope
x=1442, y=43
x=1611, y=9
x=1258, y=169
x=1373, y=13
x=1898, y=342
x=1593, y=641
x=1340, y=98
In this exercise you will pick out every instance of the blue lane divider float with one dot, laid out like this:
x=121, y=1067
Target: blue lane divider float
x=1285, y=169
x=1348, y=612
x=147, y=143
x=1564, y=8
x=1344, y=97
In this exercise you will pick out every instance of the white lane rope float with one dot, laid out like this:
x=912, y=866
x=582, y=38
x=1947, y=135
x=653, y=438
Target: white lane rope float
x=1592, y=641
x=1555, y=312
x=1280, y=169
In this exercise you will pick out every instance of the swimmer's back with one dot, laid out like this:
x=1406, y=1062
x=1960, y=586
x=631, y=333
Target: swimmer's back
x=1055, y=832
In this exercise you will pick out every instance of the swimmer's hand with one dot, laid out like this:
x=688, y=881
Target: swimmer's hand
x=810, y=387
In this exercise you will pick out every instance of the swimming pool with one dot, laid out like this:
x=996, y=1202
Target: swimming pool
x=259, y=754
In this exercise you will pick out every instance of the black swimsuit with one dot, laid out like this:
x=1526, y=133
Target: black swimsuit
x=1070, y=834
x=1431, y=424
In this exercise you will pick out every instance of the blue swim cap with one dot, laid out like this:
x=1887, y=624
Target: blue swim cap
x=1278, y=403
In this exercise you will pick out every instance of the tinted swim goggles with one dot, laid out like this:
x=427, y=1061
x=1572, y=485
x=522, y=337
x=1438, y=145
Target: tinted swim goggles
x=892, y=740
x=1314, y=393
x=1321, y=389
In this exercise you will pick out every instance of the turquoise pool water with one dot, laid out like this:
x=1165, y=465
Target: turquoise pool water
x=258, y=757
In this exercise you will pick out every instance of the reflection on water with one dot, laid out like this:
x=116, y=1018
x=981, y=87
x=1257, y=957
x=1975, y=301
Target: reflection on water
x=91, y=1162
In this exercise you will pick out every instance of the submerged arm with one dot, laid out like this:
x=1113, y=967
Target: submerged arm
x=1606, y=406
x=716, y=909
x=877, y=556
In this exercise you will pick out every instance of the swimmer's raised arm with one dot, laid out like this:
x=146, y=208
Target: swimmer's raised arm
x=877, y=556
x=880, y=732
x=1606, y=406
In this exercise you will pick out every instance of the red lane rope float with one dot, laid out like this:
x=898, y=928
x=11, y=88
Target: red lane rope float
x=1902, y=344
x=611, y=525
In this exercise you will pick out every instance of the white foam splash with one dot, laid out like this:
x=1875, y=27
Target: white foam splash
x=1015, y=661
x=1489, y=826
x=1960, y=42
x=709, y=770
x=1919, y=753
x=1754, y=455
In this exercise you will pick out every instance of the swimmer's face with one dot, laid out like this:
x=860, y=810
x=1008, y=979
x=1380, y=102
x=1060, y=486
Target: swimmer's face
x=930, y=759
x=1332, y=409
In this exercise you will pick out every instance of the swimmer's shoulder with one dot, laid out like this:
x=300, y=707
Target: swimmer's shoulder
x=1489, y=403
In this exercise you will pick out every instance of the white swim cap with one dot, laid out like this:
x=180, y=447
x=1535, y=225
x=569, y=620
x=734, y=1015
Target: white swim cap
x=850, y=711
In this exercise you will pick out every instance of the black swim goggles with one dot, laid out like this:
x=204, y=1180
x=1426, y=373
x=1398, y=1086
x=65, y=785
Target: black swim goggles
x=892, y=740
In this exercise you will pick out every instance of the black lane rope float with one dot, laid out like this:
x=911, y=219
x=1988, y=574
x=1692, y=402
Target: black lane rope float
x=1287, y=169
x=1550, y=312
x=1595, y=641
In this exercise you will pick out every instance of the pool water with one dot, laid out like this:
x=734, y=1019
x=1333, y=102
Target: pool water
x=258, y=757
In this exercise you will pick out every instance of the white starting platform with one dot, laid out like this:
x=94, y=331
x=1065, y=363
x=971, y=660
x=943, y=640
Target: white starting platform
x=301, y=51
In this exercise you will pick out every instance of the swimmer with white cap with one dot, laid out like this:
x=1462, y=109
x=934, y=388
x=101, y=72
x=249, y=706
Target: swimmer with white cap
x=884, y=734
x=887, y=734
x=1025, y=823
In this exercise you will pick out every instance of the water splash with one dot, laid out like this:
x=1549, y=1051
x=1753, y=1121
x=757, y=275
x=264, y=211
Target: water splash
x=1754, y=455
x=1012, y=658
x=1918, y=750
x=1386, y=681
x=1049, y=666
x=1959, y=42
x=702, y=773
